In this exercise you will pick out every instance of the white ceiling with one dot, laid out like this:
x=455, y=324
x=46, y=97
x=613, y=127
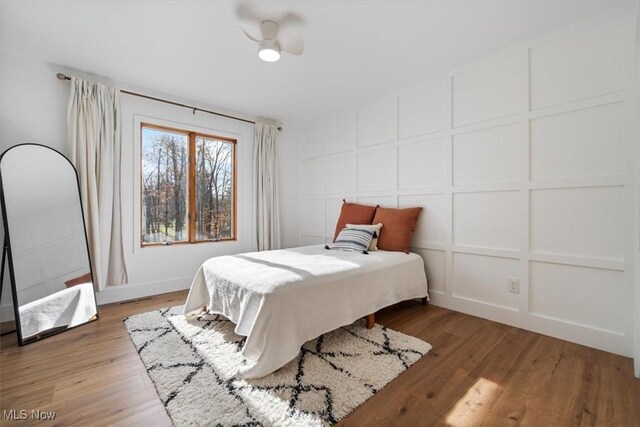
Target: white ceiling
x=354, y=49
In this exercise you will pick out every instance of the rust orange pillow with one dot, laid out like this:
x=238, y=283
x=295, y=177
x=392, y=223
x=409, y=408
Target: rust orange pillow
x=398, y=226
x=353, y=213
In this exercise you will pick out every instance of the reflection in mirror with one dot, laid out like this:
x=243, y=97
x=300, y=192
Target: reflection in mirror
x=48, y=256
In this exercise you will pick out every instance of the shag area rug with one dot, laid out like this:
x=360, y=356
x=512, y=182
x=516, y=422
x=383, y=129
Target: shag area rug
x=192, y=362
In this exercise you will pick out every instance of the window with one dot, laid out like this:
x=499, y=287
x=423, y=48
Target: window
x=188, y=186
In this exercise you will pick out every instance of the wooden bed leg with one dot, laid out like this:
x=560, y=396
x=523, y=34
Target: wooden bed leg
x=371, y=320
x=197, y=312
x=425, y=301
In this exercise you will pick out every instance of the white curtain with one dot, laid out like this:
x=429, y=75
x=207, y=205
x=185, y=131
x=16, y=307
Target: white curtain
x=94, y=147
x=265, y=167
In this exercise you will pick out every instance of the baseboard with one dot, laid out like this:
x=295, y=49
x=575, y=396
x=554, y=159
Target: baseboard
x=127, y=292
x=579, y=334
x=6, y=313
x=122, y=293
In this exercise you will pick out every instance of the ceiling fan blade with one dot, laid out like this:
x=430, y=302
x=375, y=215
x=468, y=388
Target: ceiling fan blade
x=244, y=13
x=291, y=41
x=249, y=36
x=291, y=19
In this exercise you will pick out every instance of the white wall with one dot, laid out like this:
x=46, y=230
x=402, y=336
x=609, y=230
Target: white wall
x=637, y=204
x=33, y=105
x=522, y=163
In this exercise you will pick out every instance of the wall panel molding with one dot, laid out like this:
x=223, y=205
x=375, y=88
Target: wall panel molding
x=523, y=168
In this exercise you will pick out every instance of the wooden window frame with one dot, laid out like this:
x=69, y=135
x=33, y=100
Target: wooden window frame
x=191, y=185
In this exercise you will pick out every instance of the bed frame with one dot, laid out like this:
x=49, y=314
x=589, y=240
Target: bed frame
x=370, y=319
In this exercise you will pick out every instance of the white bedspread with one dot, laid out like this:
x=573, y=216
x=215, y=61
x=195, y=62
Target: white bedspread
x=69, y=307
x=281, y=299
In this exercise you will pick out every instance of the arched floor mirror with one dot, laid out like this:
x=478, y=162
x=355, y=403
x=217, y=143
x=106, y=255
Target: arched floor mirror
x=45, y=243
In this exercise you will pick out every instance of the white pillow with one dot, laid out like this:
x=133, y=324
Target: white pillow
x=373, y=246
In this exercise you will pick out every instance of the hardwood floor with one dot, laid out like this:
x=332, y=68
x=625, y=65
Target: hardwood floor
x=478, y=373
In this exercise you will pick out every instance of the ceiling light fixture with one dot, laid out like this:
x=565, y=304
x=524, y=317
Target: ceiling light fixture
x=275, y=40
x=269, y=51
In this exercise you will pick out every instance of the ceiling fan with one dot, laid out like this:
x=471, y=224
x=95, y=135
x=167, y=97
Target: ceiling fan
x=277, y=36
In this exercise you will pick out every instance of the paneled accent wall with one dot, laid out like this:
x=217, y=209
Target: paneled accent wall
x=523, y=163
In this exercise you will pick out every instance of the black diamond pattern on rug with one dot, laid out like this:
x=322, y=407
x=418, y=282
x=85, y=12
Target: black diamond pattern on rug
x=192, y=361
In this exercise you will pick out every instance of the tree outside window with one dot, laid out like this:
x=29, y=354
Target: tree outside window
x=188, y=186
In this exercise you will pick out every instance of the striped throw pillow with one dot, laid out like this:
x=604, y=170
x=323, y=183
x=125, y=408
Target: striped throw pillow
x=353, y=239
x=373, y=246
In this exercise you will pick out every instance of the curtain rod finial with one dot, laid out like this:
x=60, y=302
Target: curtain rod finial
x=61, y=76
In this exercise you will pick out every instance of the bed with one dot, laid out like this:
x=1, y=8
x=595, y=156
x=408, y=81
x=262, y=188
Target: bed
x=64, y=309
x=281, y=299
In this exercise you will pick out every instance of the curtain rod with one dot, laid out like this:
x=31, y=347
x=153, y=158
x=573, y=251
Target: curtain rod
x=61, y=76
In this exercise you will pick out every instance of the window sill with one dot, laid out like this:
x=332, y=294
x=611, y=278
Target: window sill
x=156, y=245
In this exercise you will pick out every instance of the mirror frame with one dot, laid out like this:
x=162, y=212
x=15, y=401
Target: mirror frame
x=7, y=248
